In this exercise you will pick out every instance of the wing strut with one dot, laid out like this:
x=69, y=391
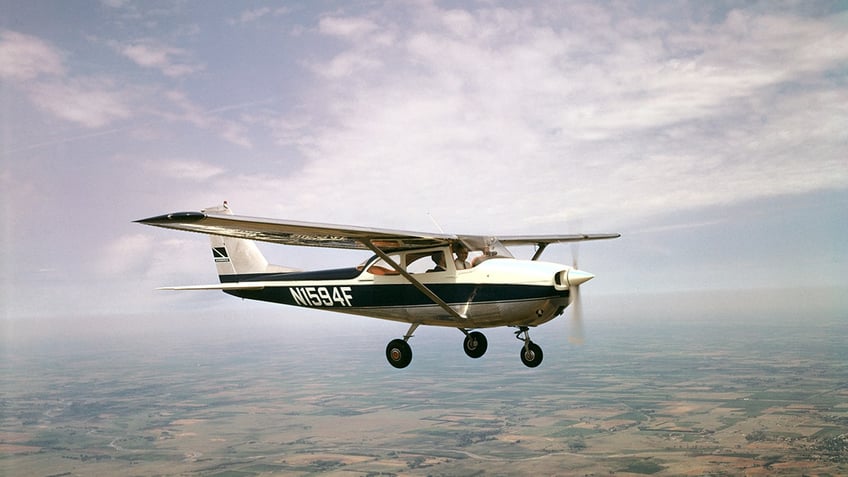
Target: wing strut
x=460, y=319
x=542, y=246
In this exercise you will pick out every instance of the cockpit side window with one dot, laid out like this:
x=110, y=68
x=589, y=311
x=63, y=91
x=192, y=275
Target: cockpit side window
x=413, y=261
x=424, y=262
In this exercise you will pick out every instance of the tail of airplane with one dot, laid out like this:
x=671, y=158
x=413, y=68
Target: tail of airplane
x=235, y=258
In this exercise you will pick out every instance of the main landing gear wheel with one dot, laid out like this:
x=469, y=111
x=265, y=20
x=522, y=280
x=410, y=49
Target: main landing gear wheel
x=399, y=353
x=531, y=355
x=475, y=344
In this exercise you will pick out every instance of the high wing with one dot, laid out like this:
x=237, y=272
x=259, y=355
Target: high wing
x=542, y=241
x=549, y=239
x=288, y=232
x=313, y=234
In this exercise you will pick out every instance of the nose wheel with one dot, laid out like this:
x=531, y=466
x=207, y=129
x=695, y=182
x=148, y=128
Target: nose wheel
x=531, y=353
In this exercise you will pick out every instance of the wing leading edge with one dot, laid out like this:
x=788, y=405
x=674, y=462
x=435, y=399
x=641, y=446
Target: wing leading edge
x=311, y=234
x=286, y=232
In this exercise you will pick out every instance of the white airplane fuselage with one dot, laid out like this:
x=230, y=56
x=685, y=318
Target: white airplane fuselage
x=496, y=292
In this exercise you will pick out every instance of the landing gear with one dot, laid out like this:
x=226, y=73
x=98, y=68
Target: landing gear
x=398, y=352
x=475, y=344
x=531, y=353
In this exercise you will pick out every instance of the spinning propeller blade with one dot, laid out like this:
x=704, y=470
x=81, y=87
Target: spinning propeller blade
x=575, y=333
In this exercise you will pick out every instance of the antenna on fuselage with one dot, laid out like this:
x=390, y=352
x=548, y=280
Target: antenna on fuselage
x=435, y=223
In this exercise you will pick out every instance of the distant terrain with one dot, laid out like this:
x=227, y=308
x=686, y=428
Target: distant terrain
x=723, y=395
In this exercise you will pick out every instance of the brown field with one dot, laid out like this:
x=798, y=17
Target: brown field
x=691, y=402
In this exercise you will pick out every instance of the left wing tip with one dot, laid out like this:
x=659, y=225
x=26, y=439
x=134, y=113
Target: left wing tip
x=176, y=217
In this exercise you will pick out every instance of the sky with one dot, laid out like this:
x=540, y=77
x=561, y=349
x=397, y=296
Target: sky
x=711, y=135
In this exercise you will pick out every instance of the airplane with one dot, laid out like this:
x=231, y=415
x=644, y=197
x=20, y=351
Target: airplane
x=468, y=282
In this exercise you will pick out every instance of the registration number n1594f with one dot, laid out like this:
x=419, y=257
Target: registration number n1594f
x=321, y=296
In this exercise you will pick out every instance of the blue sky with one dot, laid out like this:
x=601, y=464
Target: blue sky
x=712, y=135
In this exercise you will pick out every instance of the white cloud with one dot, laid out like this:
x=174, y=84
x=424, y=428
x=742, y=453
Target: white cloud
x=592, y=111
x=231, y=131
x=24, y=57
x=95, y=101
x=36, y=68
x=150, y=53
x=288, y=130
x=126, y=254
x=367, y=41
x=115, y=3
x=91, y=102
x=182, y=169
x=252, y=15
x=148, y=259
x=347, y=64
x=346, y=27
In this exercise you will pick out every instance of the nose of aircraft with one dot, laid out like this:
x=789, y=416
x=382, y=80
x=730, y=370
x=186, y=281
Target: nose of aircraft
x=576, y=277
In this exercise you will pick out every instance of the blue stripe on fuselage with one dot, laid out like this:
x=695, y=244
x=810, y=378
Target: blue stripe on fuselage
x=399, y=295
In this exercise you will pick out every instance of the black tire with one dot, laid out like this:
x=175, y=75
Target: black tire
x=532, y=356
x=399, y=353
x=475, y=344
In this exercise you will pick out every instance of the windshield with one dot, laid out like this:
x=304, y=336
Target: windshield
x=430, y=260
x=378, y=266
x=487, y=246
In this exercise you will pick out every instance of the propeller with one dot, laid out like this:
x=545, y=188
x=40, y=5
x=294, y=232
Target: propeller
x=575, y=332
x=575, y=278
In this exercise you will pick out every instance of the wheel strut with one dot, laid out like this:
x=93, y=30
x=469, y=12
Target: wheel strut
x=531, y=353
x=398, y=351
x=411, y=330
x=526, y=332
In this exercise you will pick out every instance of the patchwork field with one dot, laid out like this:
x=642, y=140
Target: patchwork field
x=659, y=399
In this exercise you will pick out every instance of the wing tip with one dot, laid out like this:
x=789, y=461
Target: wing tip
x=176, y=217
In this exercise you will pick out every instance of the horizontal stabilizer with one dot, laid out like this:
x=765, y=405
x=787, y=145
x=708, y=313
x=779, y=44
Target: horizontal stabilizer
x=218, y=286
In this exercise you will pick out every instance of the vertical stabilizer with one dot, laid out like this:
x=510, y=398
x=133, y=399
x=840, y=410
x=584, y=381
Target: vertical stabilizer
x=234, y=257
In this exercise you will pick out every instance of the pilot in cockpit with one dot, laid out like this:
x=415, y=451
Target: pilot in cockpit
x=439, y=260
x=461, y=260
